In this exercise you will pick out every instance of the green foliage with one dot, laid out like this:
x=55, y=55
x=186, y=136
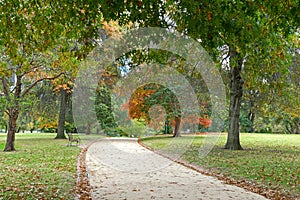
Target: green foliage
x=103, y=107
x=162, y=96
x=134, y=128
x=249, y=38
x=116, y=132
x=43, y=168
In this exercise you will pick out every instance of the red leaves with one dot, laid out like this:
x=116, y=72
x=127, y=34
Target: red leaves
x=205, y=122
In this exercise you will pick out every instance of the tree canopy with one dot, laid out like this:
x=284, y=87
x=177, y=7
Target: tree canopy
x=251, y=40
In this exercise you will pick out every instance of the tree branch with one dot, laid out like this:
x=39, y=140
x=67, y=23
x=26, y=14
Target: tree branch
x=7, y=113
x=5, y=88
x=31, y=70
x=39, y=80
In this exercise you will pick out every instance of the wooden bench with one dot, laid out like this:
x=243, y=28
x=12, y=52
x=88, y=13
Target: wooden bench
x=73, y=139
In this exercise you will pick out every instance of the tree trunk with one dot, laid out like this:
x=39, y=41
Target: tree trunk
x=176, y=129
x=297, y=122
x=251, y=118
x=88, y=129
x=12, y=128
x=62, y=115
x=236, y=93
x=289, y=128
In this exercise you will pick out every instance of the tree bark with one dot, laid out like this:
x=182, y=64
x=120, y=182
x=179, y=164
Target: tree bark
x=88, y=129
x=177, y=125
x=251, y=117
x=62, y=115
x=12, y=128
x=13, y=113
x=236, y=93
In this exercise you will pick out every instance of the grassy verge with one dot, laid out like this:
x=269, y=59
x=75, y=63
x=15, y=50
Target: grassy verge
x=268, y=160
x=41, y=168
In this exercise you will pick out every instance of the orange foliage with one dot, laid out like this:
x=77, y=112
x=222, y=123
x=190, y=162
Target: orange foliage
x=205, y=122
x=112, y=29
x=137, y=103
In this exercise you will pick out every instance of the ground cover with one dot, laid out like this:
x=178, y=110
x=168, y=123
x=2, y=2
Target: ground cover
x=268, y=160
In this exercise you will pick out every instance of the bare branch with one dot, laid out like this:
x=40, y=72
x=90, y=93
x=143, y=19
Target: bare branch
x=39, y=80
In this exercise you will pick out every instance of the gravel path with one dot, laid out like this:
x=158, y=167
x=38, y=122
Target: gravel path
x=122, y=169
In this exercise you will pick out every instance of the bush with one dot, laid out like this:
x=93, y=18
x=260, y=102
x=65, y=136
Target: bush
x=266, y=130
x=115, y=132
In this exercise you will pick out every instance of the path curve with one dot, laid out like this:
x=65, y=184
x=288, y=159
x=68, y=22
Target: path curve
x=123, y=169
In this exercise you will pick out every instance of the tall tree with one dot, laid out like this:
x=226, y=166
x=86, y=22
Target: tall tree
x=29, y=31
x=253, y=32
x=149, y=95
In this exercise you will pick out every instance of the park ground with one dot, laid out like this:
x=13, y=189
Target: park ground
x=46, y=168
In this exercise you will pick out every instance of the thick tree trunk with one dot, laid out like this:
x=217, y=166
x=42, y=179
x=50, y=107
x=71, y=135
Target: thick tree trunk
x=12, y=128
x=177, y=125
x=62, y=115
x=236, y=93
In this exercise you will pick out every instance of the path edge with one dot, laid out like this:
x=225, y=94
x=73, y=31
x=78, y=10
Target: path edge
x=83, y=188
x=248, y=186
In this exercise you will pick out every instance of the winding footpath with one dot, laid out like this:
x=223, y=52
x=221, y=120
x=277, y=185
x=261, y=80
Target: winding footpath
x=123, y=169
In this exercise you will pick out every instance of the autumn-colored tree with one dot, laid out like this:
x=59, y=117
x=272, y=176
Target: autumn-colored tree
x=31, y=35
x=254, y=35
x=149, y=95
x=205, y=122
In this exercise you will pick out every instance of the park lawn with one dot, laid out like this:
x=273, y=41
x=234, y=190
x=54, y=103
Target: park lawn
x=269, y=160
x=41, y=168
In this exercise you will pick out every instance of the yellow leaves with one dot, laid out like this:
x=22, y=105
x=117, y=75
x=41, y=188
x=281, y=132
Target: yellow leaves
x=64, y=86
x=247, y=84
x=237, y=48
x=4, y=72
x=47, y=123
x=112, y=29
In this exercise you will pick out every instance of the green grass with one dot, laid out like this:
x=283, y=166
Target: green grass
x=41, y=168
x=267, y=159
